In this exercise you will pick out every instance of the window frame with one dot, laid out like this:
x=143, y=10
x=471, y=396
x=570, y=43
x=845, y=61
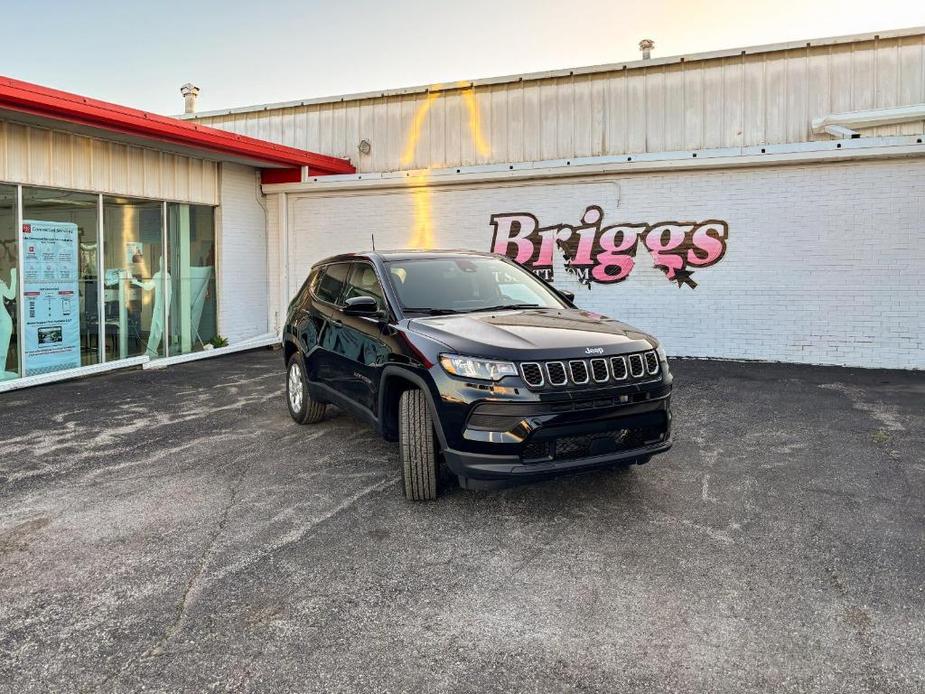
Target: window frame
x=324, y=268
x=305, y=294
x=385, y=299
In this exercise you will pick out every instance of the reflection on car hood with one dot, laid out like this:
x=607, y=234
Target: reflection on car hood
x=533, y=333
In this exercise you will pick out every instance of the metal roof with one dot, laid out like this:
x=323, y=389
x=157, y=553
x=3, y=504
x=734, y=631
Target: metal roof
x=36, y=101
x=568, y=72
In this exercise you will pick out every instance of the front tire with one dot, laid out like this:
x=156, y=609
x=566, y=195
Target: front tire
x=302, y=407
x=416, y=445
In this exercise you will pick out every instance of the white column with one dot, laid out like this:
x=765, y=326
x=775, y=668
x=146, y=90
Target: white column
x=185, y=304
x=100, y=281
x=20, y=332
x=165, y=273
x=283, y=299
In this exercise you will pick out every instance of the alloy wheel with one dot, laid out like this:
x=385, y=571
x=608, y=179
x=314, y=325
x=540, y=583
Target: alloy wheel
x=295, y=388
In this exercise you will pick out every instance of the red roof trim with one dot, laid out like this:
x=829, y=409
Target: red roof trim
x=36, y=100
x=280, y=175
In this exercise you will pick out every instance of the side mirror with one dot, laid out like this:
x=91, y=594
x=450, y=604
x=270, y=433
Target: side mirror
x=361, y=306
x=567, y=294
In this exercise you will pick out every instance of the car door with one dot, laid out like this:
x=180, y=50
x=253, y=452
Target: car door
x=301, y=323
x=361, y=342
x=323, y=322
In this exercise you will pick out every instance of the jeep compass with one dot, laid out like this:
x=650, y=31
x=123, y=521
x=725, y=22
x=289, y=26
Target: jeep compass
x=475, y=366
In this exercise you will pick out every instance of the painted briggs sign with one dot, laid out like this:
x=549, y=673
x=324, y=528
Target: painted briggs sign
x=606, y=254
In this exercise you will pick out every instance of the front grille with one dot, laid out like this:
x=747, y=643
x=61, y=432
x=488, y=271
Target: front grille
x=637, y=368
x=600, y=370
x=535, y=450
x=532, y=373
x=585, y=446
x=556, y=372
x=618, y=368
x=627, y=434
x=579, y=371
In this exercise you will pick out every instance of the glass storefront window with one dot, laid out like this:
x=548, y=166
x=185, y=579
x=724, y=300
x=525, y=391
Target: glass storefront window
x=191, y=256
x=61, y=280
x=136, y=293
x=81, y=302
x=9, y=284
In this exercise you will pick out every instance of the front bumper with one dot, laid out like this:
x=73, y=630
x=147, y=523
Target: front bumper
x=477, y=471
x=553, y=439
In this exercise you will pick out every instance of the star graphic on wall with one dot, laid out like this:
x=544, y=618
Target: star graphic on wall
x=681, y=276
x=684, y=277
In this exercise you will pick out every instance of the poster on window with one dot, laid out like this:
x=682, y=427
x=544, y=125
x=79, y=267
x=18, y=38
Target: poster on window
x=51, y=303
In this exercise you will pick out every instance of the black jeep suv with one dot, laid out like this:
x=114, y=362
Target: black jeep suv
x=470, y=360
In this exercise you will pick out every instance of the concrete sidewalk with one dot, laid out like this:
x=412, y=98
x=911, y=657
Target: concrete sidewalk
x=175, y=531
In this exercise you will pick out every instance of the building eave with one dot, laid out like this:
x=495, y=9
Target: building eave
x=800, y=153
x=55, y=105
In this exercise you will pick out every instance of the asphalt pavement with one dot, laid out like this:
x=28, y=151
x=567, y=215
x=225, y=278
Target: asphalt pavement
x=174, y=530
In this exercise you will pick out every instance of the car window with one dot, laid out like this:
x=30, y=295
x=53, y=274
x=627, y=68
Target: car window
x=466, y=284
x=363, y=282
x=299, y=298
x=309, y=288
x=314, y=279
x=332, y=282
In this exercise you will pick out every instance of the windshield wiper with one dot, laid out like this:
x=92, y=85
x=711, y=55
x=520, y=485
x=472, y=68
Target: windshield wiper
x=431, y=311
x=451, y=311
x=505, y=307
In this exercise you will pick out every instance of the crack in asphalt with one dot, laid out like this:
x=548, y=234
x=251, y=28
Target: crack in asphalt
x=193, y=584
x=301, y=532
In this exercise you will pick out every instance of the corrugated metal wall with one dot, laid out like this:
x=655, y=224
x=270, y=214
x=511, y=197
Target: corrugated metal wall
x=38, y=156
x=748, y=99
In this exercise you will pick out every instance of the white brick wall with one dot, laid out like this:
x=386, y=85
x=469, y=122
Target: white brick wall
x=823, y=263
x=242, y=263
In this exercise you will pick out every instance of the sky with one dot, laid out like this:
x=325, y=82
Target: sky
x=243, y=53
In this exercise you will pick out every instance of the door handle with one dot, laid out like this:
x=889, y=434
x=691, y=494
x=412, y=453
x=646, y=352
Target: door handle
x=337, y=321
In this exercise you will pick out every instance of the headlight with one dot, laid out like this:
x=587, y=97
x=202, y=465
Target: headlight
x=482, y=369
x=660, y=351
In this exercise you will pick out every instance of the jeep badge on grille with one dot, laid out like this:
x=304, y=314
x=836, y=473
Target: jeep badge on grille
x=594, y=350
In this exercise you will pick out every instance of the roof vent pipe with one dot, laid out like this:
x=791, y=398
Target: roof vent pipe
x=646, y=46
x=190, y=93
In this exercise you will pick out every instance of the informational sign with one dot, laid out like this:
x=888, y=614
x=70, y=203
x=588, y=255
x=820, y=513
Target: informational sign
x=51, y=303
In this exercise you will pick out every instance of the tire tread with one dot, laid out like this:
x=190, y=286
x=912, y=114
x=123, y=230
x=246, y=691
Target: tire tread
x=416, y=444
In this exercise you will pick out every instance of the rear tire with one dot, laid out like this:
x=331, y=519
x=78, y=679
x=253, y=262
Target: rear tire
x=302, y=407
x=416, y=445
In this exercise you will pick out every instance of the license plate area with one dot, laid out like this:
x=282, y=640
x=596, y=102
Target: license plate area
x=621, y=435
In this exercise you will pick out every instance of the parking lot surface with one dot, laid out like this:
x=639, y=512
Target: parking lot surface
x=174, y=530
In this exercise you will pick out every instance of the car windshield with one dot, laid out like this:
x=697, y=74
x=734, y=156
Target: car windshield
x=466, y=284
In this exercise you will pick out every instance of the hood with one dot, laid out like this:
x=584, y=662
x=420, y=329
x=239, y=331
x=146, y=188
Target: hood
x=533, y=334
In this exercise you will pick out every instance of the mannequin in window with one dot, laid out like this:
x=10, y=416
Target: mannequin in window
x=8, y=293
x=159, y=286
